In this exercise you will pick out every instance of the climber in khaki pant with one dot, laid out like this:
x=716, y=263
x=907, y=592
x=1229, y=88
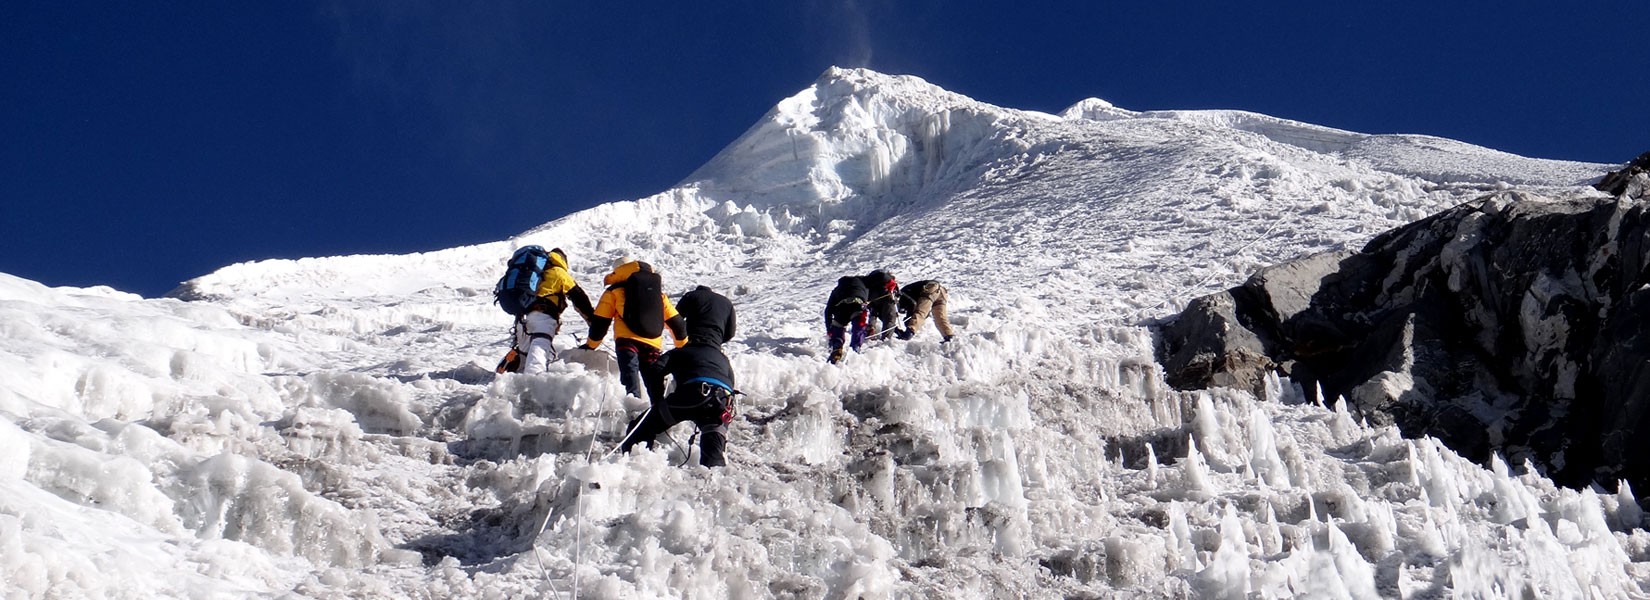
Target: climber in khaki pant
x=918, y=301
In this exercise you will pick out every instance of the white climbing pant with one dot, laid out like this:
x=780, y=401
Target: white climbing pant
x=536, y=348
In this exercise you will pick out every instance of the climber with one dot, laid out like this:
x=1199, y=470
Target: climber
x=639, y=312
x=845, y=315
x=704, y=380
x=919, y=300
x=539, y=313
x=884, y=291
x=709, y=315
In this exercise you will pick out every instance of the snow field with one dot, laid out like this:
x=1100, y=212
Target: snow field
x=332, y=427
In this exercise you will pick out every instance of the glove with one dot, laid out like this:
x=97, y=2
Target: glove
x=592, y=344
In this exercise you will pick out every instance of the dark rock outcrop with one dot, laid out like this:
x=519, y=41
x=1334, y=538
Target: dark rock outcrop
x=1514, y=324
x=1632, y=181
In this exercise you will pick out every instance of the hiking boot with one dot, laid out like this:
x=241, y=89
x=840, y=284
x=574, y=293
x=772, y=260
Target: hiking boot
x=836, y=356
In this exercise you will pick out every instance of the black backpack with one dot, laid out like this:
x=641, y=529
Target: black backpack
x=518, y=289
x=847, y=299
x=644, y=306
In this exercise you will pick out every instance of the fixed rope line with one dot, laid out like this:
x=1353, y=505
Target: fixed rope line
x=578, y=520
x=627, y=434
x=578, y=525
x=540, y=557
x=1263, y=235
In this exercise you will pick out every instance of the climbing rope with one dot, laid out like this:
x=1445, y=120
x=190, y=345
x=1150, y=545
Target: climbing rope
x=578, y=525
x=1199, y=285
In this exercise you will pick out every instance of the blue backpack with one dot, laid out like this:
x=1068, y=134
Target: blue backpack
x=518, y=289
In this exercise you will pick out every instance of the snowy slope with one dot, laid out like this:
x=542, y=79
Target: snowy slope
x=331, y=427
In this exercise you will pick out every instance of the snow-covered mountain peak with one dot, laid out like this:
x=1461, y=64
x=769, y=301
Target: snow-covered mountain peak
x=1095, y=109
x=859, y=146
x=847, y=99
x=857, y=135
x=1039, y=454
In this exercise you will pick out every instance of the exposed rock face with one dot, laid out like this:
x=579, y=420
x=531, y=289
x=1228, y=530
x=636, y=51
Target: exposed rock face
x=1513, y=324
x=1632, y=181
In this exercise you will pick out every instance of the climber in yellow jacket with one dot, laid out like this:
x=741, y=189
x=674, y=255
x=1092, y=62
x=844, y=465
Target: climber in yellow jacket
x=637, y=307
x=534, y=330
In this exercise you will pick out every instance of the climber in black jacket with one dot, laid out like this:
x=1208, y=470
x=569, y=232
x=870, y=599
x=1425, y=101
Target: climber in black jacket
x=712, y=319
x=846, y=312
x=704, y=379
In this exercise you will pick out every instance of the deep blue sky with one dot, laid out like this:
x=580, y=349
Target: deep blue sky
x=147, y=142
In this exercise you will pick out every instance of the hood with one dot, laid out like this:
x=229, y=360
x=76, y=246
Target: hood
x=558, y=259
x=624, y=271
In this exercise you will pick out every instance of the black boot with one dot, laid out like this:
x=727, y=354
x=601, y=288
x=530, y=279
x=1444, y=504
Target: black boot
x=712, y=443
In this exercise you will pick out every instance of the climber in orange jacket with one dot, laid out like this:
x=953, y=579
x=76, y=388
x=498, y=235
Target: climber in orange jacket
x=639, y=310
